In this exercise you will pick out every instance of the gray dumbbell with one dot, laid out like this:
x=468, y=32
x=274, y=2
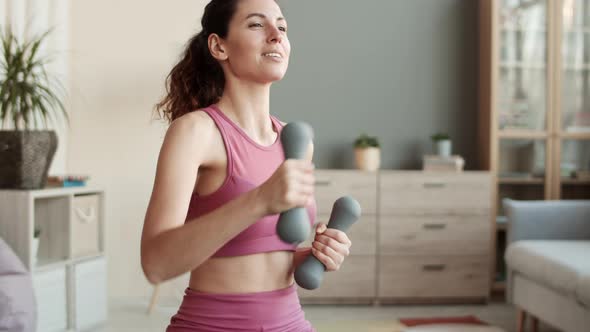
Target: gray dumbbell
x=293, y=225
x=345, y=212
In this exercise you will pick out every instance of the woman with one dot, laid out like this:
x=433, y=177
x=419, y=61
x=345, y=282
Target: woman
x=222, y=161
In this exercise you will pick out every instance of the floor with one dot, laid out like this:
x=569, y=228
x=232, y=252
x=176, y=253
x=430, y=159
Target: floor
x=125, y=316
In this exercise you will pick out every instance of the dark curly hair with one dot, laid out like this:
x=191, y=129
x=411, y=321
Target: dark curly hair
x=197, y=80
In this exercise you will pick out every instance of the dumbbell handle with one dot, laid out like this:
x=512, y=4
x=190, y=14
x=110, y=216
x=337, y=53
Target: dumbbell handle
x=345, y=212
x=293, y=225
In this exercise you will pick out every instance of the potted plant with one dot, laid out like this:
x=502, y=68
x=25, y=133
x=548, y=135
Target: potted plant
x=442, y=144
x=36, y=236
x=29, y=103
x=367, y=153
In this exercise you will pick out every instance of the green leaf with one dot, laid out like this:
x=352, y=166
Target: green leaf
x=28, y=95
x=38, y=104
x=440, y=137
x=34, y=47
x=365, y=141
x=53, y=99
x=12, y=103
x=42, y=108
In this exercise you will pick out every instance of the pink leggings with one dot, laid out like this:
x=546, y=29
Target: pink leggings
x=272, y=311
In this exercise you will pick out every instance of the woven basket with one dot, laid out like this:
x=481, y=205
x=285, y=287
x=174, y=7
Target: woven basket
x=25, y=157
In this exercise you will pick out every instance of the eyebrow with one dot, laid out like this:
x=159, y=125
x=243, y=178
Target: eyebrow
x=262, y=16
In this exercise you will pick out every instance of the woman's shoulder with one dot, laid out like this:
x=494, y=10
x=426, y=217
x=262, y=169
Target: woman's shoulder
x=194, y=124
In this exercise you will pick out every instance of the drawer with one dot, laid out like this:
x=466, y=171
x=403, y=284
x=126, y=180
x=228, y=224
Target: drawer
x=362, y=234
x=355, y=279
x=333, y=184
x=442, y=235
x=433, y=276
x=84, y=226
x=51, y=297
x=411, y=192
x=90, y=293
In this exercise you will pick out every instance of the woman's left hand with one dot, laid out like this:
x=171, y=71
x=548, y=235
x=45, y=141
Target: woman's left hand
x=330, y=246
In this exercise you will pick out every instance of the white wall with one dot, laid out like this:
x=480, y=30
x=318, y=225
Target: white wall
x=121, y=52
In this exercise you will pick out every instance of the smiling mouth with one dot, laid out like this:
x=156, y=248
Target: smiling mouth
x=272, y=55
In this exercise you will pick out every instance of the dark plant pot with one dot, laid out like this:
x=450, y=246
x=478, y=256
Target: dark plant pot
x=25, y=157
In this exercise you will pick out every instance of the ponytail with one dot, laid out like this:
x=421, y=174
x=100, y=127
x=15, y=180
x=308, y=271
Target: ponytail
x=197, y=80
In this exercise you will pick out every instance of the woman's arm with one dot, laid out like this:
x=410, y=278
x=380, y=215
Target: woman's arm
x=169, y=247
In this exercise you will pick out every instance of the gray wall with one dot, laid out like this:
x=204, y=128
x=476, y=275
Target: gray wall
x=397, y=69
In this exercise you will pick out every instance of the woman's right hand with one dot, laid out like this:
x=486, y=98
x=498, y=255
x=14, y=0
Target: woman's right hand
x=291, y=185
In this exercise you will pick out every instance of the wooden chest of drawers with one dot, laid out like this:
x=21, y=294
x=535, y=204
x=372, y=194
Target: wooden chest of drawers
x=356, y=281
x=422, y=236
x=432, y=276
x=332, y=184
x=434, y=235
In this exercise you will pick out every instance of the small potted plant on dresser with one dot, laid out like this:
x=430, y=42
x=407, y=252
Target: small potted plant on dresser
x=442, y=144
x=367, y=153
x=30, y=102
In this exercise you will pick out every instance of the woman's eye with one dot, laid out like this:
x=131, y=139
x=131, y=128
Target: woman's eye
x=284, y=29
x=257, y=25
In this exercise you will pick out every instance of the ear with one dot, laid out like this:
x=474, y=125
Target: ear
x=216, y=47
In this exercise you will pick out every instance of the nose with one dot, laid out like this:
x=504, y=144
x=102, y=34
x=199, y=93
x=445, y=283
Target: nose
x=274, y=35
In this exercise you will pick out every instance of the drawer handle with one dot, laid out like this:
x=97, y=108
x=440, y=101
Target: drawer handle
x=323, y=182
x=434, y=267
x=434, y=226
x=433, y=185
x=86, y=218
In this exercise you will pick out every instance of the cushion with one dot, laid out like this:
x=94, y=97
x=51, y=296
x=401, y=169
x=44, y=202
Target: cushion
x=18, y=311
x=17, y=304
x=558, y=264
x=10, y=262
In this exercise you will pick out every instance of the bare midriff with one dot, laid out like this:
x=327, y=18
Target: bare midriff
x=244, y=274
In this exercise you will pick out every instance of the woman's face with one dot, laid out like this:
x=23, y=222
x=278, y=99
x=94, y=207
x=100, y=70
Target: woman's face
x=257, y=46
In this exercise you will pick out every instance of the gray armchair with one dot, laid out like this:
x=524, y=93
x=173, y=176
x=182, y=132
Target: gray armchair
x=548, y=260
x=548, y=220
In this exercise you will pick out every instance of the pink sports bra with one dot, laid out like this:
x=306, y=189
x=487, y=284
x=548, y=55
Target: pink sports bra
x=249, y=164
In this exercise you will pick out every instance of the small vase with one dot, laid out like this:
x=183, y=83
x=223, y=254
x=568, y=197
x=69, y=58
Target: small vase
x=35, y=250
x=367, y=159
x=443, y=148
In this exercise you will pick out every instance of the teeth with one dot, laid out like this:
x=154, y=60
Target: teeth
x=275, y=55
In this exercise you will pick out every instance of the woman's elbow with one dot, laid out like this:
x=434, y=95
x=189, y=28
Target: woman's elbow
x=149, y=268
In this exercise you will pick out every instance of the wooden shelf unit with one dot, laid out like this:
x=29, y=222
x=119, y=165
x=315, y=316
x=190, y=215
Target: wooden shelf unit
x=69, y=271
x=504, y=64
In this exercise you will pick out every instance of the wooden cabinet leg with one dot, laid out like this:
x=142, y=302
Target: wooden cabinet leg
x=154, y=299
x=535, y=324
x=521, y=320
